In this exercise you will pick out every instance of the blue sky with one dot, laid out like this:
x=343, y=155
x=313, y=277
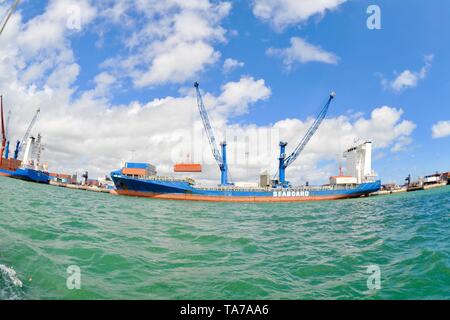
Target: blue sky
x=414, y=37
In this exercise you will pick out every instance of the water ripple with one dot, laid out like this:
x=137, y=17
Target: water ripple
x=136, y=248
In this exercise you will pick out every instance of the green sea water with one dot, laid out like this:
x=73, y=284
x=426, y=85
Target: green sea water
x=134, y=248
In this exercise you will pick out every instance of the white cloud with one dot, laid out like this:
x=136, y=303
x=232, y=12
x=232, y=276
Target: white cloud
x=174, y=40
x=237, y=96
x=301, y=51
x=282, y=13
x=409, y=79
x=231, y=64
x=441, y=129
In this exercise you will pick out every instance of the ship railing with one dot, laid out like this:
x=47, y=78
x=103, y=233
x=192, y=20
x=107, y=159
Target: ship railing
x=270, y=189
x=233, y=189
x=160, y=178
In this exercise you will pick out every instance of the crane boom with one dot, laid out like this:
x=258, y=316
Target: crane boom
x=8, y=15
x=208, y=128
x=27, y=133
x=221, y=158
x=287, y=161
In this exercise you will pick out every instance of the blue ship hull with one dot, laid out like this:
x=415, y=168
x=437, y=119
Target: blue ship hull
x=166, y=188
x=31, y=175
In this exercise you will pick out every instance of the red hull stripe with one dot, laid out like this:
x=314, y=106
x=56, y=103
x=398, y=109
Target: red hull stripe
x=196, y=197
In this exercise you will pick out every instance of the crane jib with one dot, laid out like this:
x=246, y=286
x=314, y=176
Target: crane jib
x=220, y=157
x=287, y=161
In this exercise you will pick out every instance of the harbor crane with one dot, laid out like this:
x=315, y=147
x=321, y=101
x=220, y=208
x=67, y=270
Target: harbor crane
x=285, y=162
x=220, y=157
x=19, y=144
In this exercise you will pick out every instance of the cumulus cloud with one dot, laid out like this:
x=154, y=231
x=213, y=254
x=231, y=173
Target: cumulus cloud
x=282, y=13
x=301, y=51
x=237, y=96
x=409, y=79
x=171, y=41
x=231, y=64
x=441, y=129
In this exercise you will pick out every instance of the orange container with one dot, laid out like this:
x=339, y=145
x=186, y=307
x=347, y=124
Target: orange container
x=60, y=175
x=187, y=167
x=134, y=172
x=10, y=164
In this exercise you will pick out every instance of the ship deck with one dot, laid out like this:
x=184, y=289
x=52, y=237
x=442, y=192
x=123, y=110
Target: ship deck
x=193, y=184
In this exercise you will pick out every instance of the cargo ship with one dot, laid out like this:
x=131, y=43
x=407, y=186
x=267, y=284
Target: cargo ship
x=139, y=183
x=141, y=180
x=31, y=168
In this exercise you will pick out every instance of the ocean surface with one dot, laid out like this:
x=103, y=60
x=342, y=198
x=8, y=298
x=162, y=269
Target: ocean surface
x=134, y=248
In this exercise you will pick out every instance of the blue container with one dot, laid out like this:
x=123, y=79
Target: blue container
x=137, y=165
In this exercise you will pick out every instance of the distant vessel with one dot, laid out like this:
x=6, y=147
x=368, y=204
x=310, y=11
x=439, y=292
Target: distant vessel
x=31, y=168
x=9, y=166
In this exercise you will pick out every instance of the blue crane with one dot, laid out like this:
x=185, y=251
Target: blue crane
x=221, y=158
x=287, y=161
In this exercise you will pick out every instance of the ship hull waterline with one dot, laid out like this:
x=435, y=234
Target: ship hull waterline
x=245, y=199
x=4, y=173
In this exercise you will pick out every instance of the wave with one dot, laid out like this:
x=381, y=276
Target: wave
x=10, y=284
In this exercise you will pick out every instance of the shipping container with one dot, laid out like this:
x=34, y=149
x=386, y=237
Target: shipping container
x=137, y=165
x=60, y=175
x=187, y=167
x=343, y=180
x=135, y=172
x=10, y=164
